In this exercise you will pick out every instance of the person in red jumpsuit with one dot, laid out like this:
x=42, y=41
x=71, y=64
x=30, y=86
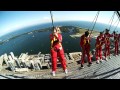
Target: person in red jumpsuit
x=119, y=41
x=57, y=50
x=116, y=42
x=99, y=43
x=107, y=36
x=85, y=46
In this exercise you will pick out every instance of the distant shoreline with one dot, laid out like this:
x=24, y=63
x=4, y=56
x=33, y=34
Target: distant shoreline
x=80, y=31
x=76, y=32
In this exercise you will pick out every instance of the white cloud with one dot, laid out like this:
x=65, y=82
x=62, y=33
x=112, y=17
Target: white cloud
x=46, y=19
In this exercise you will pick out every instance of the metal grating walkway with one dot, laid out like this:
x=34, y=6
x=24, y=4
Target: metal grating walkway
x=106, y=70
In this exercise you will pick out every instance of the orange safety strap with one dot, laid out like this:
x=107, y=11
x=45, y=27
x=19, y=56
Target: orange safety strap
x=54, y=39
x=84, y=42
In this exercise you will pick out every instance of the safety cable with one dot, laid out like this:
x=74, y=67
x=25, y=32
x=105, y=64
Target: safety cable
x=95, y=21
x=112, y=20
x=116, y=25
x=92, y=22
x=52, y=19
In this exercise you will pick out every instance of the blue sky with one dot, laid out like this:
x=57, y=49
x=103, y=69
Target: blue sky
x=12, y=20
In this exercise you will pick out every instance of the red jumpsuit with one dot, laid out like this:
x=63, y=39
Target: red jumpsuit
x=98, y=44
x=116, y=42
x=107, y=44
x=85, y=45
x=119, y=40
x=57, y=50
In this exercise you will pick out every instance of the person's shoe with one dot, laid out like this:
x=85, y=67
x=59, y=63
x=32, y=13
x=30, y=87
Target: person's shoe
x=97, y=62
x=90, y=63
x=66, y=71
x=53, y=73
x=101, y=60
x=82, y=66
x=109, y=57
x=106, y=59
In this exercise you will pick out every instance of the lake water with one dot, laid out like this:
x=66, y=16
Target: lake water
x=40, y=42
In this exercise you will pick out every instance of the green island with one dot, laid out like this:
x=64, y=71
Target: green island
x=73, y=30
